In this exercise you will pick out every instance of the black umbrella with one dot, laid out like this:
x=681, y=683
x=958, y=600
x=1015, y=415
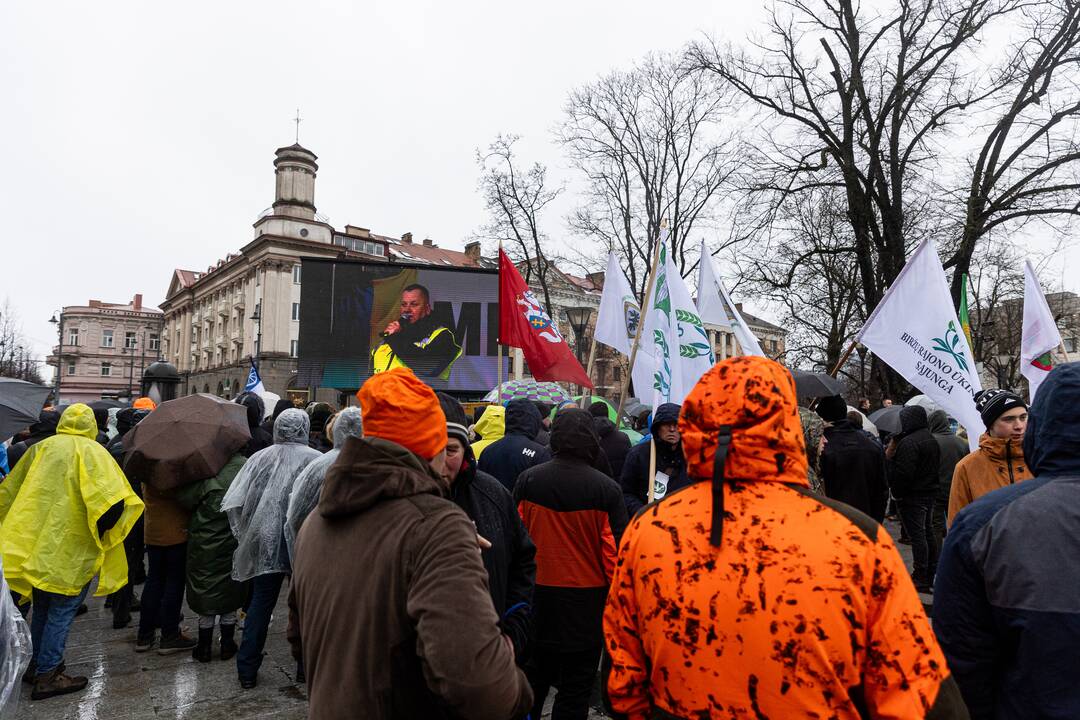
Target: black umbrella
x=20, y=405
x=106, y=404
x=887, y=419
x=816, y=385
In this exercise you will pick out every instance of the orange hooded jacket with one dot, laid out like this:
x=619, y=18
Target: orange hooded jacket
x=749, y=596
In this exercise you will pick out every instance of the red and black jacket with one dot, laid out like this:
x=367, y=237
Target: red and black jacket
x=576, y=516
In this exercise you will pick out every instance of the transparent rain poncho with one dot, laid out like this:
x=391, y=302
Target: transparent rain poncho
x=15, y=649
x=259, y=496
x=306, y=490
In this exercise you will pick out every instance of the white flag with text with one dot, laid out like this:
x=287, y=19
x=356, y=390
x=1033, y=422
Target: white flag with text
x=915, y=330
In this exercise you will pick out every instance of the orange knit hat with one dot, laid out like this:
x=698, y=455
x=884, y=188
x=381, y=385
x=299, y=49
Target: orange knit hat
x=144, y=403
x=398, y=407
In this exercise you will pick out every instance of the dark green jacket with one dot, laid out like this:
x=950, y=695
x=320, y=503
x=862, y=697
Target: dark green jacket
x=210, y=587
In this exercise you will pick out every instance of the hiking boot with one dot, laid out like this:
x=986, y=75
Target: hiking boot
x=204, y=650
x=31, y=672
x=121, y=622
x=177, y=643
x=145, y=643
x=56, y=683
x=228, y=644
x=248, y=683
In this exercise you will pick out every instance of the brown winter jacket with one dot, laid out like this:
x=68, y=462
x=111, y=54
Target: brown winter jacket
x=389, y=606
x=998, y=462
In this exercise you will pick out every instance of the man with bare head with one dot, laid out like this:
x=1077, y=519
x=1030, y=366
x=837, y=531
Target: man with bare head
x=417, y=339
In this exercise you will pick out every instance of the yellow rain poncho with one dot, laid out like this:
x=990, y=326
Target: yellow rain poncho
x=49, y=509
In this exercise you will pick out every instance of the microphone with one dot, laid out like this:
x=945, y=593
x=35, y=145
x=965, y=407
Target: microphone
x=404, y=320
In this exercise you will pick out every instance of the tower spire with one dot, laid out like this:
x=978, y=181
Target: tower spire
x=297, y=120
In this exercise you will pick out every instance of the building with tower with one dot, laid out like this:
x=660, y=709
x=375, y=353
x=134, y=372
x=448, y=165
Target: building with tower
x=248, y=304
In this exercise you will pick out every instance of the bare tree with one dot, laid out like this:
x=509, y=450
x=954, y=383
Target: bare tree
x=650, y=145
x=515, y=198
x=882, y=101
x=812, y=275
x=16, y=355
x=1028, y=167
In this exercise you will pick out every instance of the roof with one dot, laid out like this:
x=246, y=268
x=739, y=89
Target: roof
x=755, y=321
x=584, y=283
x=431, y=255
x=187, y=278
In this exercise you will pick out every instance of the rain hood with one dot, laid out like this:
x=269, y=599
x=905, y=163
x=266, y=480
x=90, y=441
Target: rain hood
x=491, y=426
x=1052, y=440
x=257, y=500
x=306, y=491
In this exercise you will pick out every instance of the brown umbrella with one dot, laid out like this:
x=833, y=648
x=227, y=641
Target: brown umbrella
x=185, y=440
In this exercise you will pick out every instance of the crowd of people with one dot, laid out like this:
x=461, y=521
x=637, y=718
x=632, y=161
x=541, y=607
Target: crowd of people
x=733, y=563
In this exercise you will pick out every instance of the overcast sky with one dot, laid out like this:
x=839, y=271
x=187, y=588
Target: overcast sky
x=140, y=136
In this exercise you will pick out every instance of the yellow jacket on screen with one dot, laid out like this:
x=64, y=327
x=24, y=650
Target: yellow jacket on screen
x=49, y=508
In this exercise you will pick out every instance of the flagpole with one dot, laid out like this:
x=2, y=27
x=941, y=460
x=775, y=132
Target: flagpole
x=588, y=372
x=652, y=469
x=640, y=328
x=845, y=356
x=499, y=365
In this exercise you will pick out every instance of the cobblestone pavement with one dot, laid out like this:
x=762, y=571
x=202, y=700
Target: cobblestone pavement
x=125, y=685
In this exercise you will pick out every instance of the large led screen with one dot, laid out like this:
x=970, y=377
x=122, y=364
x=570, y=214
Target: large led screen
x=360, y=318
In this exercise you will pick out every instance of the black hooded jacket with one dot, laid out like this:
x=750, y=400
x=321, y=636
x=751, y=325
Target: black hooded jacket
x=575, y=515
x=511, y=560
x=517, y=450
x=260, y=438
x=952, y=447
x=614, y=444
x=853, y=469
x=669, y=459
x=45, y=427
x=913, y=470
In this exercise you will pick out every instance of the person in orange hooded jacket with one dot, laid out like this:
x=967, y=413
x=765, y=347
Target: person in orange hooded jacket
x=746, y=595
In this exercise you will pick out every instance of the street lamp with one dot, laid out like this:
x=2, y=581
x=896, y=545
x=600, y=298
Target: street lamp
x=579, y=322
x=257, y=317
x=862, y=350
x=59, y=351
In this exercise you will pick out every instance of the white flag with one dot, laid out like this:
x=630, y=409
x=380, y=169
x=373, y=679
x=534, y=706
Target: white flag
x=617, y=321
x=915, y=330
x=716, y=308
x=1040, y=335
x=617, y=325
x=680, y=346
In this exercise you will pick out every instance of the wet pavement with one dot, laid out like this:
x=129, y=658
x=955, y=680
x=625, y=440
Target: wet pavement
x=125, y=685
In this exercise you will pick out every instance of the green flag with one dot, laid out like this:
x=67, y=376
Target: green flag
x=965, y=320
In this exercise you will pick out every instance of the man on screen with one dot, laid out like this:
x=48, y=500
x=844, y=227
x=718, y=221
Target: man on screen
x=417, y=340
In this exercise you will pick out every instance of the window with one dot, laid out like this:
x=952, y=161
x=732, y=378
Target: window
x=71, y=368
x=293, y=347
x=129, y=340
x=155, y=341
x=106, y=339
x=106, y=369
x=296, y=274
x=1069, y=344
x=616, y=373
x=73, y=336
x=296, y=311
